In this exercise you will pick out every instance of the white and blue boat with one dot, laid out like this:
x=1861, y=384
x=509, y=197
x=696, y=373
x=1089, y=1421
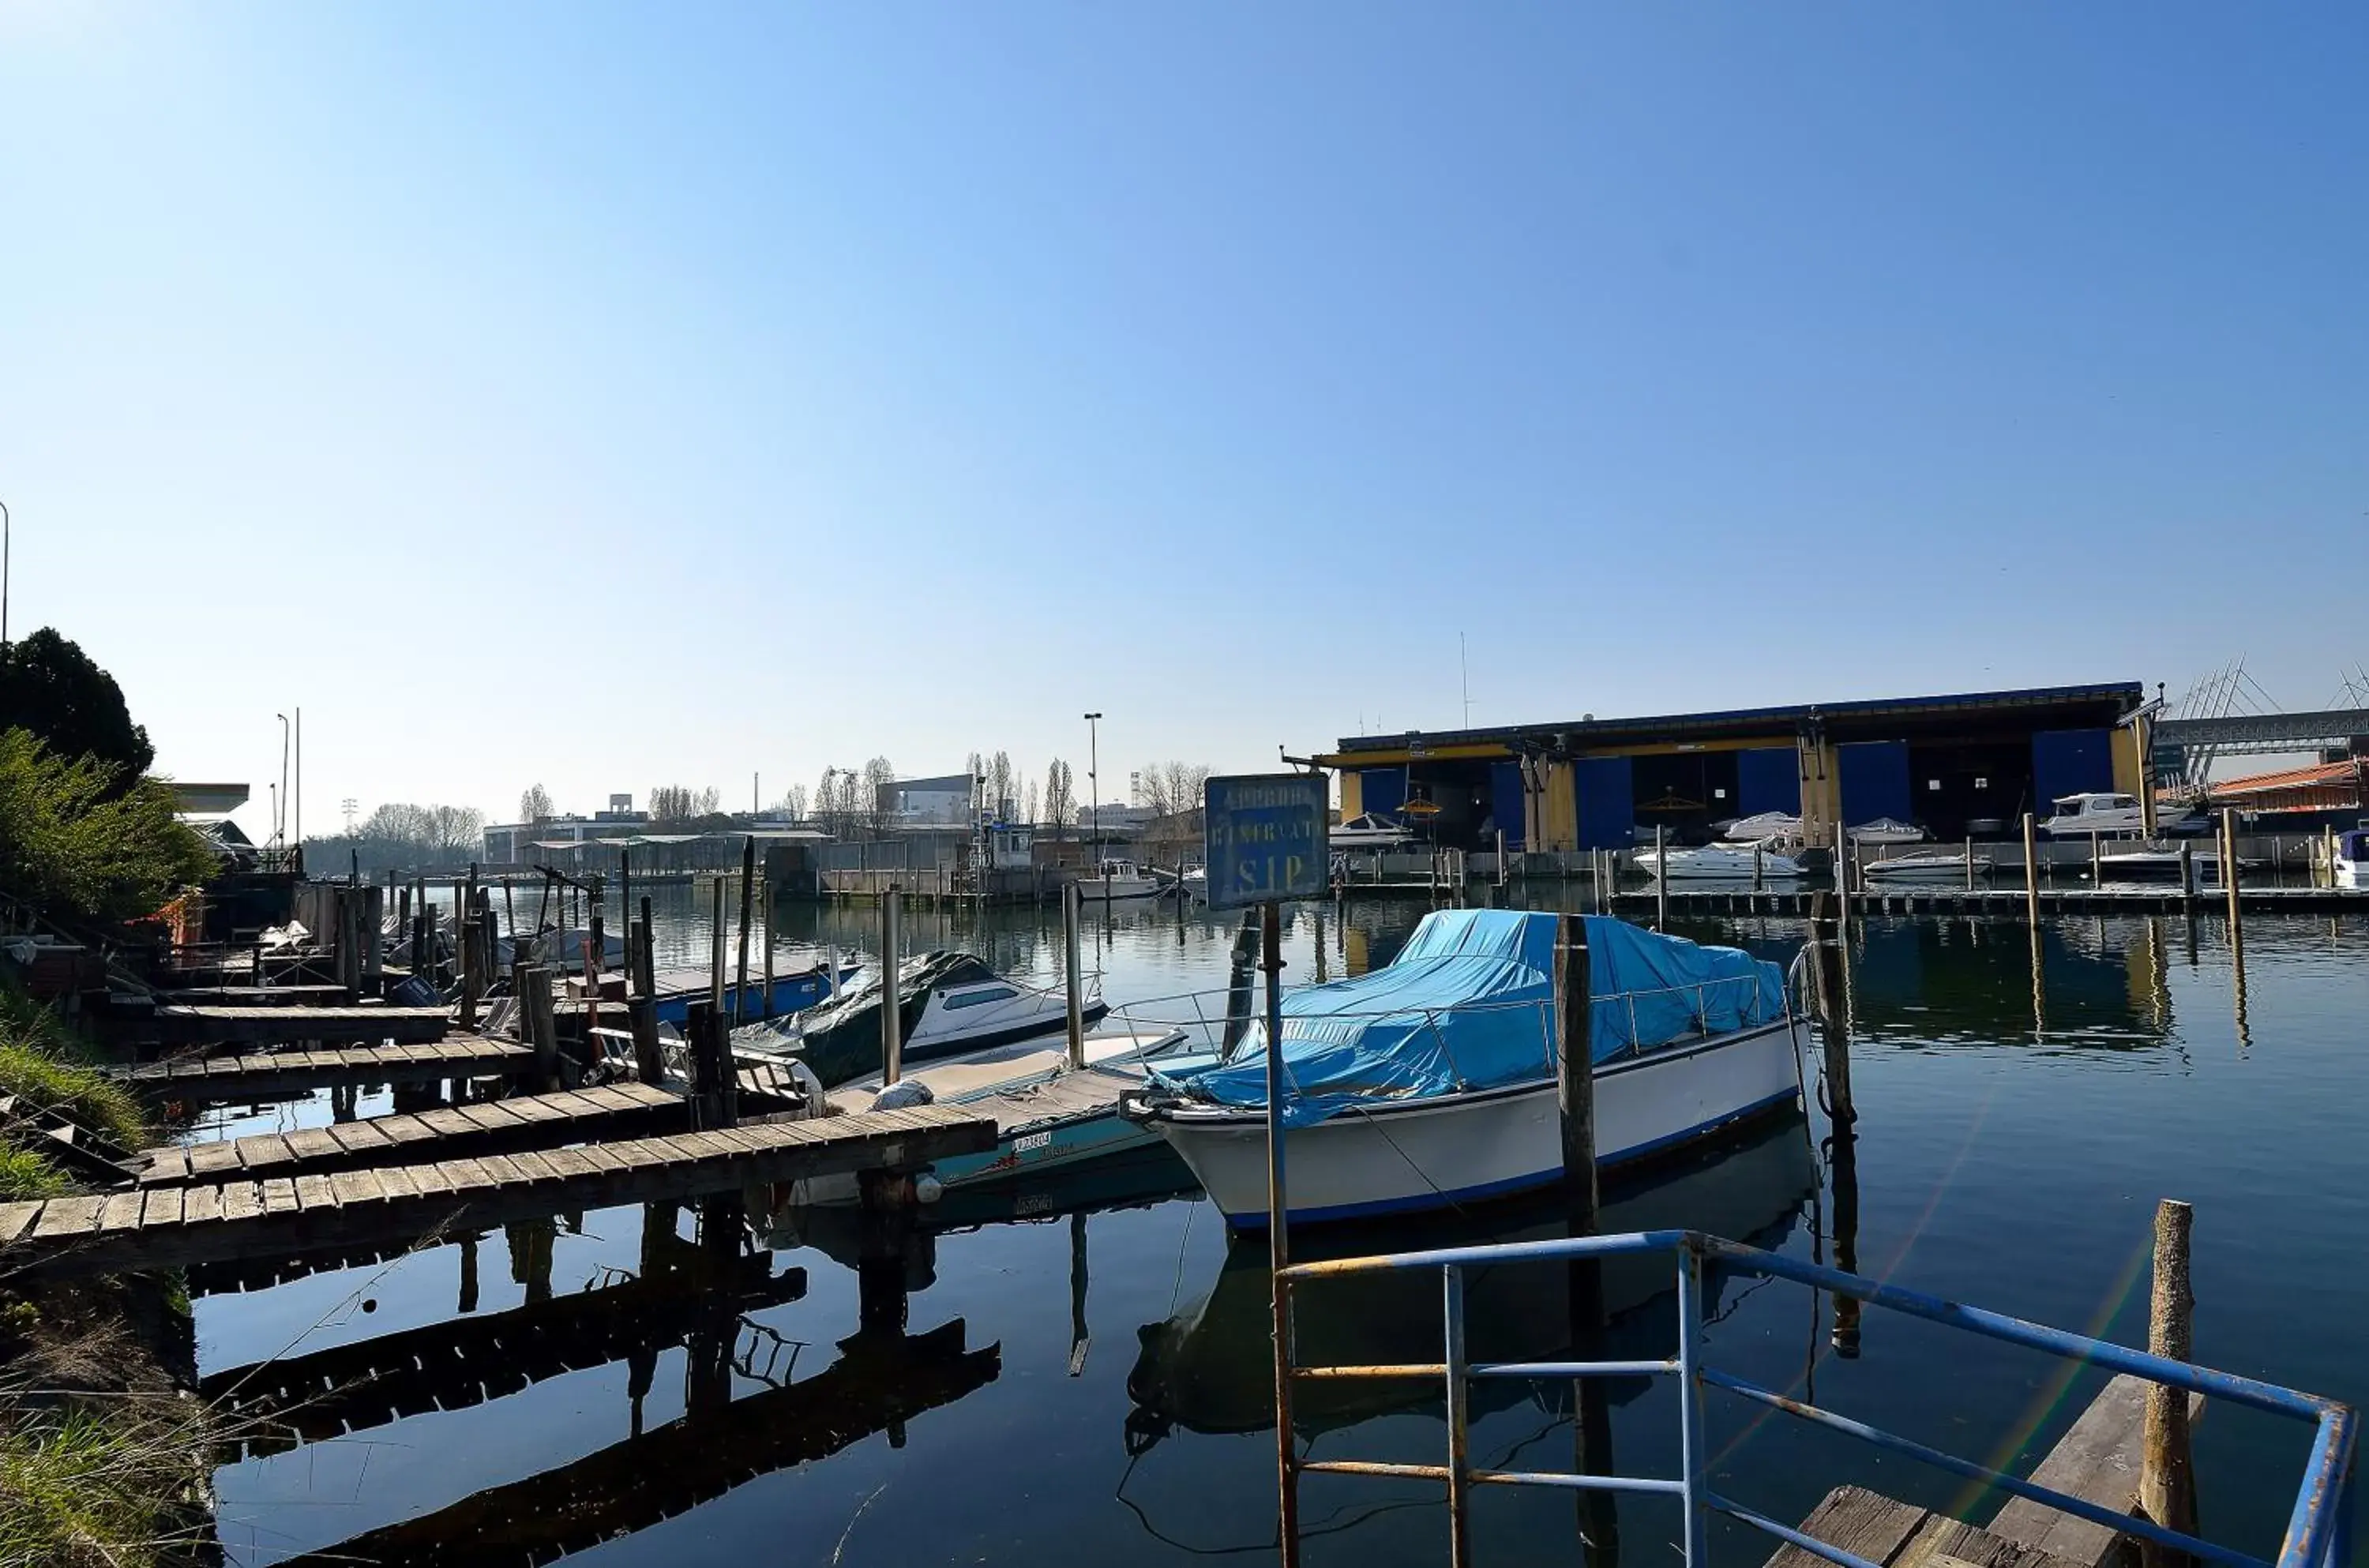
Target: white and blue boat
x=1430, y=1083
x=793, y=992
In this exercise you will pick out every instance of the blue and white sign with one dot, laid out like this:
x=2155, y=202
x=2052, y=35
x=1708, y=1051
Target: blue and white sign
x=1265, y=837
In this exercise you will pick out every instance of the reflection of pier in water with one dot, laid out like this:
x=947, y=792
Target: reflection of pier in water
x=695, y=1294
x=2076, y=984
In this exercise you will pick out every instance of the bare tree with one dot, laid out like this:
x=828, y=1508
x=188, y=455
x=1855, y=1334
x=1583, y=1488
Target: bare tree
x=1028, y=806
x=1001, y=797
x=534, y=804
x=672, y=805
x=1182, y=783
x=879, y=794
x=1060, y=801
x=793, y=806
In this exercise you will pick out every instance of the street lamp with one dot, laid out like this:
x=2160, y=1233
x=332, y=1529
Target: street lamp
x=279, y=801
x=7, y=528
x=1094, y=783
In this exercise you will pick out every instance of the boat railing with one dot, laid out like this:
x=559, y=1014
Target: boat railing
x=2319, y=1529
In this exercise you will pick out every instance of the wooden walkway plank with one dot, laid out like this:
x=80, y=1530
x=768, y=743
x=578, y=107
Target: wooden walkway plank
x=1863, y=1523
x=279, y=1074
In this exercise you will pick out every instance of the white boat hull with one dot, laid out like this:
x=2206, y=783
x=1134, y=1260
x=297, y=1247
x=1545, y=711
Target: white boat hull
x=1723, y=862
x=1922, y=868
x=1117, y=888
x=1437, y=1153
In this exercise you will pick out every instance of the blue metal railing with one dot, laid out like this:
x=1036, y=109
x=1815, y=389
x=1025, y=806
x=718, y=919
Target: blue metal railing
x=2319, y=1529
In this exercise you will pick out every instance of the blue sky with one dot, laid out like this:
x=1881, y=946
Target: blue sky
x=768, y=387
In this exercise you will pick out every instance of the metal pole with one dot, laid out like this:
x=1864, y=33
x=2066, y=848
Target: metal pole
x=300, y=780
x=1661, y=879
x=1071, y=916
x=1693, y=1454
x=1279, y=1247
x=1459, y=1479
x=892, y=1020
x=2030, y=871
x=7, y=533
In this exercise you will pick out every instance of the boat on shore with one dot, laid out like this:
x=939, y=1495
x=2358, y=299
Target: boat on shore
x=1887, y=830
x=1429, y=1083
x=1728, y=863
x=1370, y=831
x=1784, y=827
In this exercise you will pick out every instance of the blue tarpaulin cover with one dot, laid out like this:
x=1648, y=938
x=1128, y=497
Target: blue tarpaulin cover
x=1470, y=1004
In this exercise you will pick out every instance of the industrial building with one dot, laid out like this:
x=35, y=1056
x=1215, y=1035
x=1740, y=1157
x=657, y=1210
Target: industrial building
x=1969, y=764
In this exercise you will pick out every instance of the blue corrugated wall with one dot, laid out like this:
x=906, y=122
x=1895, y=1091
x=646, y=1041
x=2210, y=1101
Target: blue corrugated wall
x=1505, y=800
x=1768, y=778
x=1607, y=803
x=1381, y=789
x=2070, y=762
x=1874, y=780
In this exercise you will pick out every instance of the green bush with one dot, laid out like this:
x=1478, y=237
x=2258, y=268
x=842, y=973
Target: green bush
x=25, y=1176
x=71, y=845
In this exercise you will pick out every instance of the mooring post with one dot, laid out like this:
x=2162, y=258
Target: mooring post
x=650, y=951
x=765, y=907
x=1278, y=1245
x=716, y=946
x=2230, y=874
x=471, y=981
x=699, y=1034
x=1970, y=863
x=1575, y=1074
x=2188, y=877
x=1660, y=878
x=625, y=898
x=2166, y=1474
x=892, y=1020
x=748, y=893
x=642, y=1018
x=540, y=1026
x=2030, y=871
x=2097, y=860
x=1074, y=973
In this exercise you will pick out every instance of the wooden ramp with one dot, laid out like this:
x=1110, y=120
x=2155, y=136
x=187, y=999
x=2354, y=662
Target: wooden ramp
x=279, y=1074
x=217, y=1024
x=169, y=1226
x=1901, y=1535
x=448, y=1132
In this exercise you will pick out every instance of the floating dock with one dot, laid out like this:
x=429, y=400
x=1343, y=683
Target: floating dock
x=168, y=1225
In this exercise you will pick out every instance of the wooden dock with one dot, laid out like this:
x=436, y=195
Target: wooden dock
x=449, y=1132
x=2000, y=903
x=1901, y=1535
x=177, y=1024
x=283, y=995
x=281, y=1074
x=169, y=1225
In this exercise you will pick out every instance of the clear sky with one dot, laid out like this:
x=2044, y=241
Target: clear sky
x=610, y=395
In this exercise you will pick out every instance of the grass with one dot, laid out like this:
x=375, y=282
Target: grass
x=43, y=1059
x=25, y=1176
x=99, y=1487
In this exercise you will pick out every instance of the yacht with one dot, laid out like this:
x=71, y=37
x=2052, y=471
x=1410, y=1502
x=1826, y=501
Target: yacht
x=2351, y=863
x=2105, y=812
x=1887, y=830
x=1767, y=825
x=948, y=1004
x=1371, y=832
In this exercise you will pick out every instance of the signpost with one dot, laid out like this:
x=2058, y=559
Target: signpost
x=1265, y=837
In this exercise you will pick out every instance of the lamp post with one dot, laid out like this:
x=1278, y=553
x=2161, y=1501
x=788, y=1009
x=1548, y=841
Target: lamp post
x=7, y=529
x=1094, y=783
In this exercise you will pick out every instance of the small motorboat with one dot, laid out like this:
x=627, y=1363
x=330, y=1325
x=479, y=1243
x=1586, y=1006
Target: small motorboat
x=2155, y=857
x=948, y=1004
x=1887, y=830
x=1118, y=879
x=2105, y=813
x=2351, y=866
x=1784, y=825
x=1727, y=863
x=1373, y=831
x=1430, y=1083
x=1923, y=866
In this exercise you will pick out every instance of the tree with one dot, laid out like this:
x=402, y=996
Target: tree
x=1060, y=801
x=49, y=688
x=676, y=805
x=1173, y=788
x=1001, y=797
x=1028, y=806
x=879, y=795
x=76, y=842
x=793, y=806
x=534, y=804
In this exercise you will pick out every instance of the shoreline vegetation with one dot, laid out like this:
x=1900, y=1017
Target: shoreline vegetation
x=104, y=1454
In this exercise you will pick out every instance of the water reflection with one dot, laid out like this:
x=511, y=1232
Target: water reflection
x=1209, y=1368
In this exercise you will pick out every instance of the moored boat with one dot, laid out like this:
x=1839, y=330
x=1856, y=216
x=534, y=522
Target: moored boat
x=1923, y=866
x=1429, y=1083
x=2351, y=863
x=1783, y=826
x=1117, y=879
x=947, y=1004
x=1887, y=830
x=1726, y=862
x=1371, y=830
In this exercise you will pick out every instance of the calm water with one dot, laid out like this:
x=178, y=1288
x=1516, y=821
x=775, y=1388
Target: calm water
x=1091, y=1384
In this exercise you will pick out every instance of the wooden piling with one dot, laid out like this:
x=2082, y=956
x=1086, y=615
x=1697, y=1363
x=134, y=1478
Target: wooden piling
x=1074, y=975
x=1662, y=878
x=540, y=1024
x=716, y=947
x=649, y=1061
x=2167, y=1473
x=1970, y=863
x=2188, y=877
x=649, y=975
x=765, y=904
x=472, y=980
x=2229, y=876
x=892, y=1020
x=748, y=893
x=2030, y=871
x=2097, y=875
x=1575, y=1074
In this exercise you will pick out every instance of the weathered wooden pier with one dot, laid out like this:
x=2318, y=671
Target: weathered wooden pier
x=278, y=1074
x=164, y=1225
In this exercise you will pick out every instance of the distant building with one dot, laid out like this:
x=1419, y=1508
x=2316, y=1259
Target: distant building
x=1117, y=821
x=924, y=803
x=513, y=843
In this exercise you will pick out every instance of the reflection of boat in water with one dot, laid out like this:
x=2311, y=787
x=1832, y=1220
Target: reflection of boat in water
x=1210, y=1367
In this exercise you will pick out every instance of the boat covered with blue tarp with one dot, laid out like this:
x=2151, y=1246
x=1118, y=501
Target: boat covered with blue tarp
x=1469, y=1004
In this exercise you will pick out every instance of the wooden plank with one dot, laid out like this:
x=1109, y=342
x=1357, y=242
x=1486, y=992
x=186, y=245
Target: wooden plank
x=601, y=1158
x=163, y=1206
x=537, y=1167
x=315, y=1193
x=534, y=1109
x=404, y=1129
x=395, y=1181
x=170, y=1163
x=502, y=1171
x=122, y=1211
x=15, y=1219
x=279, y=1195
x=443, y=1121
x=242, y=1200
x=1944, y=1543
x=487, y=1117
x=1864, y=1522
x=264, y=1149
x=355, y=1188
x=212, y=1159
x=201, y=1205
x=571, y=1163
x=311, y=1143
x=66, y=1217
x=465, y=1176
x=434, y=1180
x=2098, y=1462
x=360, y=1138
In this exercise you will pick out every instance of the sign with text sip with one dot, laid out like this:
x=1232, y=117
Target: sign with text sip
x=1265, y=837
